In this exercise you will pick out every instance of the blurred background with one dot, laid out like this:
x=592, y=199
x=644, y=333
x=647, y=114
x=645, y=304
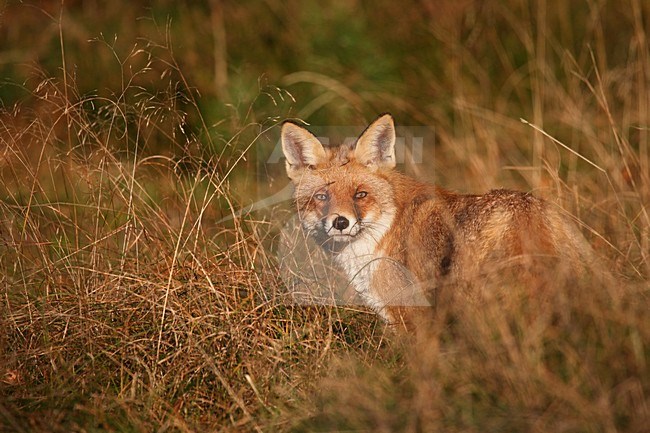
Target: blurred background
x=470, y=69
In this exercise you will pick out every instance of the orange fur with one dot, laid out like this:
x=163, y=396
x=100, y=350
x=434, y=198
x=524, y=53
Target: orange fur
x=401, y=241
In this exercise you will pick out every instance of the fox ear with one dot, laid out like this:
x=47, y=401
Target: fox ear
x=376, y=146
x=301, y=149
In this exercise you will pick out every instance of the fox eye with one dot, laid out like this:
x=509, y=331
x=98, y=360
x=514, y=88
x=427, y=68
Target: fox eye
x=320, y=196
x=360, y=194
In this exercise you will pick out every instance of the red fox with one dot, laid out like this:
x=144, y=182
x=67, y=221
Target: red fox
x=401, y=241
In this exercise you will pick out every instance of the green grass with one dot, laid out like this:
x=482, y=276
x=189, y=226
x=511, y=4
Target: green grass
x=129, y=304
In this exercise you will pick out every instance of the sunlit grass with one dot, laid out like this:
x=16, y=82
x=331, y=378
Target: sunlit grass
x=131, y=302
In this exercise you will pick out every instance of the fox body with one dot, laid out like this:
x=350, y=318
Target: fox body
x=401, y=241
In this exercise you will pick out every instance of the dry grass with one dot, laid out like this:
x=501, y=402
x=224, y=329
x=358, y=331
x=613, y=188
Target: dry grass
x=129, y=305
x=125, y=306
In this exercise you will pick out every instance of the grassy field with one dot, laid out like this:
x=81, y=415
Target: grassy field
x=135, y=297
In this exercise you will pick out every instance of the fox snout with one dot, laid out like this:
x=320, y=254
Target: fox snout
x=340, y=223
x=340, y=226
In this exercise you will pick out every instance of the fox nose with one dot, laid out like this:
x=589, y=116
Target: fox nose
x=340, y=223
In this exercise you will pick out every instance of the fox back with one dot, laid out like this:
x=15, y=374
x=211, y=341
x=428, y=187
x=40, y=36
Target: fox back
x=402, y=242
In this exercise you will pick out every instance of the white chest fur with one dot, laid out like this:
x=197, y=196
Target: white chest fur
x=360, y=260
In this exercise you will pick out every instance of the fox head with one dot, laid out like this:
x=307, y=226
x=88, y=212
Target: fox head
x=343, y=194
